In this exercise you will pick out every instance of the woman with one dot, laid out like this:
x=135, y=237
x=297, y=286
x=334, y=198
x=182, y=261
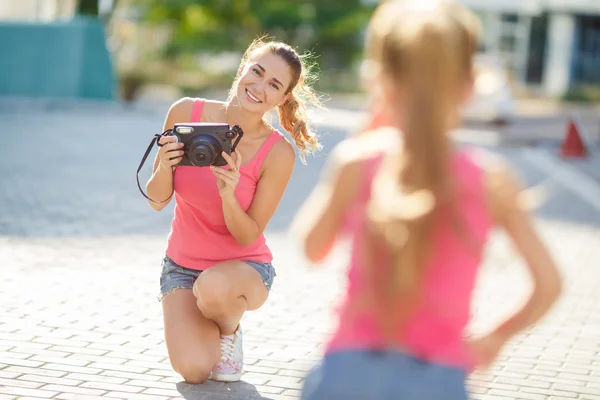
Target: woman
x=419, y=212
x=217, y=264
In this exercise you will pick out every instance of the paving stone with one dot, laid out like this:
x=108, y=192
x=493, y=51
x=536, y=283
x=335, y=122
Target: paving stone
x=82, y=253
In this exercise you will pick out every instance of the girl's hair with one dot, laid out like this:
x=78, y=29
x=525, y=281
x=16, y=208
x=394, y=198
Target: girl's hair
x=424, y=48
x=293, y=113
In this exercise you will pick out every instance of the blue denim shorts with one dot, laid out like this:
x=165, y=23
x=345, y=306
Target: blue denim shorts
x=174, y=276
x=385, y=375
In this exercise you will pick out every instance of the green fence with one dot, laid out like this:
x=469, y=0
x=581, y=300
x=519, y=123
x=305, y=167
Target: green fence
x=56, y=60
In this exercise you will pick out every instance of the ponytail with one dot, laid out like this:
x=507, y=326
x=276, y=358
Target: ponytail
x=293, y=117
x=427, y=55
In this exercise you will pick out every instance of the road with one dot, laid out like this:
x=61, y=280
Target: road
x=79, y=316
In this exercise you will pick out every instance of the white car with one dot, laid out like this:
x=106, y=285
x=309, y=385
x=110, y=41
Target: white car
x=492, y=99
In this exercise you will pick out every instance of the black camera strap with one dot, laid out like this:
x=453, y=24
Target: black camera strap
x=148, y=150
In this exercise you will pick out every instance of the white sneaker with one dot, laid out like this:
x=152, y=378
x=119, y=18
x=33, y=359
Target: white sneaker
x=229, y=369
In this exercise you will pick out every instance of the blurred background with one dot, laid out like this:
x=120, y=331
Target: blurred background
x=547, y=49
x=85, y=84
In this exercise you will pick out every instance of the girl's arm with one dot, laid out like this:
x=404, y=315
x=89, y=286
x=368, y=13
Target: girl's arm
x=509, y=213
x=321, y=217
x=504, y=198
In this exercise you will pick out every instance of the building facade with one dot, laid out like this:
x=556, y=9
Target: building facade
x=43, y=10
x=548, y=46
x=36, y=10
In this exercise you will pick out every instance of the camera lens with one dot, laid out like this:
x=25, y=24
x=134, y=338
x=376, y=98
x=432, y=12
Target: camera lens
x=202, y=154
x=204, y=149
x=200, y=157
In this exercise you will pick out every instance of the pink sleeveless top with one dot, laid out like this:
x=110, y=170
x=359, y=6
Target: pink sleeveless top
x=199, y=237
x=435, y=330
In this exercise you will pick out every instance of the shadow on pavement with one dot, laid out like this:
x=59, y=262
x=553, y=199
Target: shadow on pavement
x=211, y=390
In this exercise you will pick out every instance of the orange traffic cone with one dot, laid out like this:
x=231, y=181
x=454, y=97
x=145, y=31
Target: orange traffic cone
x=573, y=145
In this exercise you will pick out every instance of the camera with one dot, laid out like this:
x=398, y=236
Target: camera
x=204, y=142
x=203, y=145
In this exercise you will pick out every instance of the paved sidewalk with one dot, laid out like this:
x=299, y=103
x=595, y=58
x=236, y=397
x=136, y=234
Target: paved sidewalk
x=79, y=316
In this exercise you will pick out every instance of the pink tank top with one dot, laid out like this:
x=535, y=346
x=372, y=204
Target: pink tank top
x=199, y=237
x=435, y=331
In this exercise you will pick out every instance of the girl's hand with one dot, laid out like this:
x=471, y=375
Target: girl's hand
x=485, y=349
x=227, y=180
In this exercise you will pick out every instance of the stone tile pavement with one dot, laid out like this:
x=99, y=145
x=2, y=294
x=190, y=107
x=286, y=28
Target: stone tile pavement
x=79, y=316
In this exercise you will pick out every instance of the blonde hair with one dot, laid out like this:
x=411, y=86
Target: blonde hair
x=425, y=49
x=293, y=113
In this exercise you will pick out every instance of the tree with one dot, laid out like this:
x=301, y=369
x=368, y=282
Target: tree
x=92, y=8
x=87, y=7
x=331, y=28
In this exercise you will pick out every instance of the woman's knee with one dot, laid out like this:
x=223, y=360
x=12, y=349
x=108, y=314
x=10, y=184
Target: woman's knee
x=213, y=292
x=195, y=362
x=193, y=370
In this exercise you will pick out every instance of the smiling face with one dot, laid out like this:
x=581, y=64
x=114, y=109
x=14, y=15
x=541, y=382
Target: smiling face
x=264, y=82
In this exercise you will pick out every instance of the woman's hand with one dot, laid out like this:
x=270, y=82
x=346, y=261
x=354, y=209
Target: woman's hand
x=227, y=180
x=170, y=153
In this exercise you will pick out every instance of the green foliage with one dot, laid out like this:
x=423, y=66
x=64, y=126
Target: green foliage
x=583, y=94
x=330, y=28
x=87, y=7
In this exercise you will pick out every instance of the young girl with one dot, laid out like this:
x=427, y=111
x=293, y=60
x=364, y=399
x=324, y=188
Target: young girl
x=217, y=264
x=419, y=212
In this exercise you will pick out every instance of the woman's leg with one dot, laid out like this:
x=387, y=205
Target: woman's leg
x=193, y=341
x=226, y=290
x=223, y=293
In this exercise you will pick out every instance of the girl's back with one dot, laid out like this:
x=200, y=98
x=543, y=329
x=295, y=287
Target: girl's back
x=434, y=331
x=420, y=212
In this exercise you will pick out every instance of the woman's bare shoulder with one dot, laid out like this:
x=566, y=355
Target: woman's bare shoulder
x=181, y=110
x=214, y=111
x=281, y=153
